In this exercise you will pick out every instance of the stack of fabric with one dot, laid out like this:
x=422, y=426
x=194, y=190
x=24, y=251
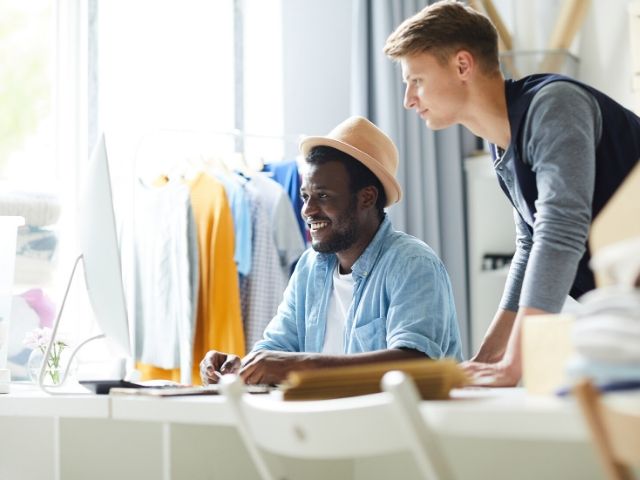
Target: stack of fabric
x=606, y=335
x=37, y=240
x=606, y=338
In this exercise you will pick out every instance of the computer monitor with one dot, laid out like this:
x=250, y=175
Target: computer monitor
x=100, y=254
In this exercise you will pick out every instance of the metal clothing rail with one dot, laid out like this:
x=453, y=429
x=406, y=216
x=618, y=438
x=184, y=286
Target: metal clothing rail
x=202, y=140
x=229, y=133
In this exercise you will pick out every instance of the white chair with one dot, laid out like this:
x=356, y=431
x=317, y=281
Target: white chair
x=346, y=428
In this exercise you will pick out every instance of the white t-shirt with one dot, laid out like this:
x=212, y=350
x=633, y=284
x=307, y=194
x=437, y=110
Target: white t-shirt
x=339, y=303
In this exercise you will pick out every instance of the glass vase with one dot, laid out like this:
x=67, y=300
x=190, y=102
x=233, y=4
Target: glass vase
x=54, y=372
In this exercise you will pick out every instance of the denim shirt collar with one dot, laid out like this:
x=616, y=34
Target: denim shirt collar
x=367, y=259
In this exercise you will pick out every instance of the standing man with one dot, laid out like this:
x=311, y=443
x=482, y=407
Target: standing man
x=364, y=293
x=560, y=150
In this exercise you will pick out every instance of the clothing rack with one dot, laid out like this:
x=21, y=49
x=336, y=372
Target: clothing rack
x=207, y=141
x=235, y=133
x=181, y=155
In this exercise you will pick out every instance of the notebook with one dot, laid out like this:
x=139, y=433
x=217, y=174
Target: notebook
x=433, y=379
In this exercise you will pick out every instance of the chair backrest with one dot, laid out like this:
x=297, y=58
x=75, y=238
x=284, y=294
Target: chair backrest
x=615, y=431
x=387, y=422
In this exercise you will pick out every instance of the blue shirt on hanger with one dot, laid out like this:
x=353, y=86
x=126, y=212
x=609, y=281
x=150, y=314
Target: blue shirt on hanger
x=241, y=212
x=286, y=174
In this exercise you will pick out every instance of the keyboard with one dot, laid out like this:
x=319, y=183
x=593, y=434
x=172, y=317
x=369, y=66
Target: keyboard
x=102, y=387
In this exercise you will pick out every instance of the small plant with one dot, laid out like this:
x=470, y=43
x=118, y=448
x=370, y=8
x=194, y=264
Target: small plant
x=38, y=339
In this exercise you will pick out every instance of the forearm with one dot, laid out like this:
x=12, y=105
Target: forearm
x=513, y=353
x=274, y=367
x=507, y=371
x=315, y=360
x=495, y=340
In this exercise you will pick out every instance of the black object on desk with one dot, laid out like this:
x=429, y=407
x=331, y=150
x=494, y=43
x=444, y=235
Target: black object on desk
x=102, y=387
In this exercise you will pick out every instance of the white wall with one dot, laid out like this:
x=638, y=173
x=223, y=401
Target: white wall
x=317, y=61
x=602, y=45
x=605, y=52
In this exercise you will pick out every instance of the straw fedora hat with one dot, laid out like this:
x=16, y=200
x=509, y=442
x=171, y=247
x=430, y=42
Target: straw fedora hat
x=365, y=142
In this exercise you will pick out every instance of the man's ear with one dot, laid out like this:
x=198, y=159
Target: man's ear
x=368, y=196
x=465, y=63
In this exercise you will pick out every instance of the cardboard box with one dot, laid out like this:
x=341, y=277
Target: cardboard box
x=619, y=220
x=546, y=348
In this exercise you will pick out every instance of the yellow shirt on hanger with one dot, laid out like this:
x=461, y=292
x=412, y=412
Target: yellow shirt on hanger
x=219, y=319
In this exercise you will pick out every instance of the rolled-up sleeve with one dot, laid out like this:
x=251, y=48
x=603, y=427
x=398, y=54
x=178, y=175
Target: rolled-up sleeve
x=421, y=314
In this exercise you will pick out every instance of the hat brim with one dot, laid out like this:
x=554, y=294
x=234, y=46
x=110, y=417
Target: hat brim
x=389, y=183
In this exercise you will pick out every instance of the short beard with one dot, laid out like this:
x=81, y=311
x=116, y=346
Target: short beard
x=342, y=240
x=338, y=243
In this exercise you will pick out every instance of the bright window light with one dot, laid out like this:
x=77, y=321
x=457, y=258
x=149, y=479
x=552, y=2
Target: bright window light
x=27, y=149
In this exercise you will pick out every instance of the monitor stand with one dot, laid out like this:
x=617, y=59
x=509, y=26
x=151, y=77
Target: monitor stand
x=56, y=390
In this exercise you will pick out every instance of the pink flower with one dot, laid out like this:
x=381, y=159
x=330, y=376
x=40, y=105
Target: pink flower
x=37, y=338
x=40, y=338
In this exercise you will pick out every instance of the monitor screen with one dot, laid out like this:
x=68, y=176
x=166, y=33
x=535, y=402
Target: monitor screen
x=101, y=255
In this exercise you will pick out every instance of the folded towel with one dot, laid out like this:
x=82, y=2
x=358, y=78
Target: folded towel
x=601, y=372
x=39, y=209
x=608, y=327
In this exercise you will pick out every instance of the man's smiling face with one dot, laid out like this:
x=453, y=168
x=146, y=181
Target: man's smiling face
x=329, y=207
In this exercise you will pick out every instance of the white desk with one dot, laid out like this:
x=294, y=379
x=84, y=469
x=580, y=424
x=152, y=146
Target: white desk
x=506, y=413
x=31, y=425
x=507, y=434
x=487, y=433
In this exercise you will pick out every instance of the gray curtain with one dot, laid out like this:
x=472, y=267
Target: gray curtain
x=431, y=163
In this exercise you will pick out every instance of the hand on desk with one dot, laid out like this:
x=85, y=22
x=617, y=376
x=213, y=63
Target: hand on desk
x=499, y=374
x=261, y=367
x=492, y=367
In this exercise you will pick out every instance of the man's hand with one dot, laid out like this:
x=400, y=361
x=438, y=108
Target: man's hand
x=507, y=371
x=270, y=367
x=215, y=364
x=499, y=374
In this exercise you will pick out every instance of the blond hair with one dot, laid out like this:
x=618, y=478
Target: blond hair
x=444, y=28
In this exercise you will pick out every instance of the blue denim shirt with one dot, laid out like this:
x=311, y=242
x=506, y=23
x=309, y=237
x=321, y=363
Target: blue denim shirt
x=402, y=299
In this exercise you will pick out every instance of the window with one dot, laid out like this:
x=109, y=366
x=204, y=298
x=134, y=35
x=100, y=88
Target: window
x=165, y=82
x=262, y=83
x=27, y=150
x=29, y=168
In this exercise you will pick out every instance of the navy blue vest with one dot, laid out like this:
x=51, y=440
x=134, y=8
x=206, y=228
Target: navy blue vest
x=616, y=154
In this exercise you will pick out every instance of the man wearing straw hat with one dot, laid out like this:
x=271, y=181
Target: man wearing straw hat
x=560, y=150
x=364, y=293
